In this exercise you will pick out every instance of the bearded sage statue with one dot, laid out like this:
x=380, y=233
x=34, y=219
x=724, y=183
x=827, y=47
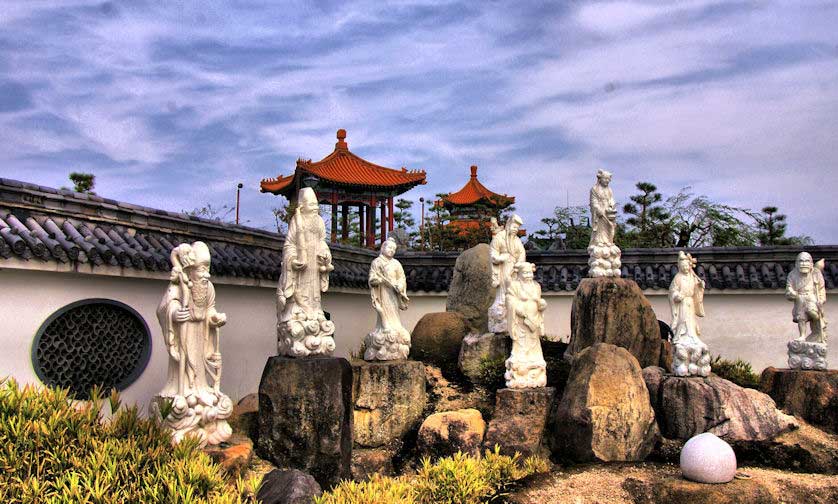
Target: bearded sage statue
x=805, y=286
x=690, y=356
x=525, y=367
x=302, y=328
x=388, y=292
x=192, y=403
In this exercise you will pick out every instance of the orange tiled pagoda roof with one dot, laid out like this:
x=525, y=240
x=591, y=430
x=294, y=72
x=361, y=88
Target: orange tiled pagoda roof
x=474, y=192
x=342, y=167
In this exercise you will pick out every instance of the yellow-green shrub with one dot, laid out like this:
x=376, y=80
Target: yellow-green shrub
x=460, y=479
x=54, y=451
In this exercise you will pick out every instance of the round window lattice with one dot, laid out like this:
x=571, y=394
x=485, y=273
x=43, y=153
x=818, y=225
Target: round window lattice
x=92, y=342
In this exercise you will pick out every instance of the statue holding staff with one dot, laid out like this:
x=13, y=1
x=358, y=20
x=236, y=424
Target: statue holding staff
x=388, y=292
x=506, y=250
x=805, y=286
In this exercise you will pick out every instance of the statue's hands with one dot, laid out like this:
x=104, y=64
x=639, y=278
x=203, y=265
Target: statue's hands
x=298, y=265
x=182, y=315
x=218, y=319
x=375, y=282
x=677, y=297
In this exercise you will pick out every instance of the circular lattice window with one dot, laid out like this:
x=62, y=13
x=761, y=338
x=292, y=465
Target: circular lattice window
x=91, y=342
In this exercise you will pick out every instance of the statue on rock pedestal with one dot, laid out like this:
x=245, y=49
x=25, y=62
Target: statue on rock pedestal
x=190, y=323
x=388, y=290
x=690, y=356
x=526, y=367
x=507, y=250
x=805, y=286
x=302, y=328
x=604, y=258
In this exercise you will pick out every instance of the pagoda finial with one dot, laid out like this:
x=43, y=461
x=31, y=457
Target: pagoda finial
x=473, y=171
x=341, y=143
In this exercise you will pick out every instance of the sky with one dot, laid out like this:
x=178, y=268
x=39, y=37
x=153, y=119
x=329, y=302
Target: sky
x=171, y=104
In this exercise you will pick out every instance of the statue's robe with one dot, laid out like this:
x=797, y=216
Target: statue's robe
x=685, y=327
x=305, y=242
x=602, y=226
x=809, y=294
x=390, y=295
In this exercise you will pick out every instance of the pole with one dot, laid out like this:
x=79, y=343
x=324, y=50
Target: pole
x=238, y=200
x=422, y=225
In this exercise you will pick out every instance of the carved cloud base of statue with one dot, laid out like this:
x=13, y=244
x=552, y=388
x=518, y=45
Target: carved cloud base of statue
x=604, y=261
x=690, y=359
x=305, y=336
x=525, y=367
x=201, y=415
x=807, y=355
x=387, y=344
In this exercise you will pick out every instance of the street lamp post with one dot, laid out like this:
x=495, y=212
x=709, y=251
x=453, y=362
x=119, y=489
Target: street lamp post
x=422, y=224
x=238, y=200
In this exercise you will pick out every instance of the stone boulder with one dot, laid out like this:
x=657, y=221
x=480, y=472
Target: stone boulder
x=369, y=461
x=436, y=340
x=604, y=414
x=614, y=310
x=233, y=456
x=479, y=350
x=666, y=356
x=288, y=486
x=707, y=459
x=687, y=406
x=305, y=416
x=388, y=398
x=810, y=395
x=245, y=416
x=471, y=292
x=519, y=420
x=444, y=434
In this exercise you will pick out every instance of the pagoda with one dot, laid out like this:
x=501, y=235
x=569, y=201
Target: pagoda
x=472, y=206
x=343, y=179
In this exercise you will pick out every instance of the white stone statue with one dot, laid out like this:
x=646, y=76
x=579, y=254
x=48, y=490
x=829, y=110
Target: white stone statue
x=506, y=250
x=690, y=356
x=525, y=367
x=806, y=287
x=604, y=256
x=192, y=399
x=302, y=328
x=388, y=290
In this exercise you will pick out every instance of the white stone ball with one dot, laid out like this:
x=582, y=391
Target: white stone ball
x=707, y=459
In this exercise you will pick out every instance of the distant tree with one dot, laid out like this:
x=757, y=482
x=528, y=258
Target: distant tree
x=696, y=221
x=648, y=219
x=569, y=226
x=404, y=219
x=83, y=182
x=218, y=214
x=282, y=215
x=771, y=229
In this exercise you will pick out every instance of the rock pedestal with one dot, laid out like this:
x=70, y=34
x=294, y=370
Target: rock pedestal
x=807, y=355
x=388, y=400
x=444, y=434
x=604, y=414
x=519, y=420
x=478, y=350
x=436, y=340
x=614, y=310
x=288, y=486
x=810, y=395
x=686, y=407
x=305, y=416
x=471, y=292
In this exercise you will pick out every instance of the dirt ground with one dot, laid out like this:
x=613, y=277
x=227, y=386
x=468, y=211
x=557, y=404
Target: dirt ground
x=603, y=484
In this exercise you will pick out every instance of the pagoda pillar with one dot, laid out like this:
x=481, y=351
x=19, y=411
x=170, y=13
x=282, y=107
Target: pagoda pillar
x=334, y=222
x=390, y=209
x=383, y=221
x=371, y=225
x=344, y=222
x=361, y=227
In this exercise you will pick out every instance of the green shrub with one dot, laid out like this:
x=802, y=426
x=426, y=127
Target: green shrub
x=56, y=450
x=460, y=479
x=490, y=373
x=738, y=371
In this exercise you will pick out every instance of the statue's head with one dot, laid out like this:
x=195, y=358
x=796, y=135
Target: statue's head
x=388, y=248
x=685, y=262
x=200, y=270
x=804, y=262
x=524, y=271
x=307, y=201
x=514, y=224
x=603, y=177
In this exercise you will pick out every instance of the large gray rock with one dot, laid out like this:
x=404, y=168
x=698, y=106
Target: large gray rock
x=614, y=310
x=288, y=486
x=471, y=292
x=519, y=420
x=481, y=350
x=687, y=406
x=810, y=395
x=389, y=398
x=444, y=434
x=305, y=416
x=604, y=414
x=436, y=340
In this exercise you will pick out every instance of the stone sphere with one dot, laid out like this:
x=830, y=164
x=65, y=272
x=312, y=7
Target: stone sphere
x=707, y=459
